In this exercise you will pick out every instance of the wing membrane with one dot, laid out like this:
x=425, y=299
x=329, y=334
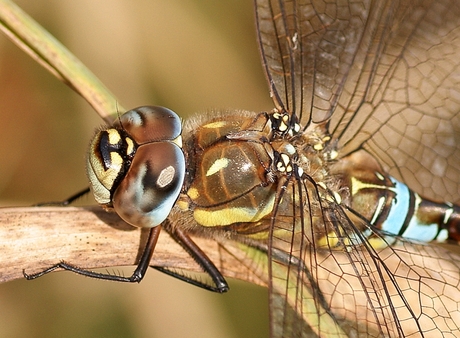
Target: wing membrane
x=384, y=74
x=338, y=287
x=407, y=113
x=307, y=51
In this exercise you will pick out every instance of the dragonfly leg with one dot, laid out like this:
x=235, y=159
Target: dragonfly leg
x=136, y=277
x=67, y=201
x=220, y=284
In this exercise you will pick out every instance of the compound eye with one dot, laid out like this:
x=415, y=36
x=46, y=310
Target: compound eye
x=147, y=193
x=151, y=124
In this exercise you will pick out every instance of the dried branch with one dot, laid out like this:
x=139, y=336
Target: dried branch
x=34, y=238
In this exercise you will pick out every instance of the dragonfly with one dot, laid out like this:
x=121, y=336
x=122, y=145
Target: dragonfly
x=345, y=186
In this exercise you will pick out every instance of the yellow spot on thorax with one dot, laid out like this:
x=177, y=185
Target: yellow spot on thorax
x=218, y=165
x=217, y=124
x=193, y=193
x=228, y=215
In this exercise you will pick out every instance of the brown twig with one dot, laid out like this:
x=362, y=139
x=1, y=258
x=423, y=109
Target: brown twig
x=35, y=238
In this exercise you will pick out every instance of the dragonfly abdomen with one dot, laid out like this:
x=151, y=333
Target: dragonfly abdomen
x=389, y=205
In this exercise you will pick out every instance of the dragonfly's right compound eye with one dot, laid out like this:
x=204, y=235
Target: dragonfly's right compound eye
x=138, y=168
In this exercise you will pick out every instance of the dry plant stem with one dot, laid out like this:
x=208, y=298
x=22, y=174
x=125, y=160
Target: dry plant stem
x=35, y=238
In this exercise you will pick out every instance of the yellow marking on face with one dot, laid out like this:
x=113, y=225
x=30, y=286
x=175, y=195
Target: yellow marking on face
x=178, y=141
x=116, y=161
x=218, y=165
x=217, y=124
x=114, y=136
x=193, y=193
x=108, y=177
x=130, y=148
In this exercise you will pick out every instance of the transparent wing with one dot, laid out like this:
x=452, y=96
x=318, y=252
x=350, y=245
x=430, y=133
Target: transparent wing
x=381, y=75
x=384, y=74
x=307, y=50
x=330, y=286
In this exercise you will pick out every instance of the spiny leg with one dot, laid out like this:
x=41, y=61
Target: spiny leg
x=198, y=255
x=136, y=277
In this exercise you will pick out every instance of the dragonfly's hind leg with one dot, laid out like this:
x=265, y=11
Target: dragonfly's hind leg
x=219, y=283
x=136, y=277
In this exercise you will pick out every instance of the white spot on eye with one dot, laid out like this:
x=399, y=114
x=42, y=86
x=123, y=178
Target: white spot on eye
x=134, y=118
x=218, y=165
x=166, y=176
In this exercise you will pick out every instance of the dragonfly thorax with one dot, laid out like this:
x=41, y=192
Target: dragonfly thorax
x=235, y=164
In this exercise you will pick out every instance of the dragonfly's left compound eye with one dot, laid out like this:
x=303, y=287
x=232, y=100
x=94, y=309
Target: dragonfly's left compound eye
x=138, y=166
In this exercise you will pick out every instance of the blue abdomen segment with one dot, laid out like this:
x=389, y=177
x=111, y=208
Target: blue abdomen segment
x=414, y=217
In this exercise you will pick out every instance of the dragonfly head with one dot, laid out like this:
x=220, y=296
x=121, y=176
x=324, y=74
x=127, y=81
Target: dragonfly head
x=137, y=166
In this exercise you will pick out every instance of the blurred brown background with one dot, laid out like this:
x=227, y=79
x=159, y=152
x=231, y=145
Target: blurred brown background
x=190, y=56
